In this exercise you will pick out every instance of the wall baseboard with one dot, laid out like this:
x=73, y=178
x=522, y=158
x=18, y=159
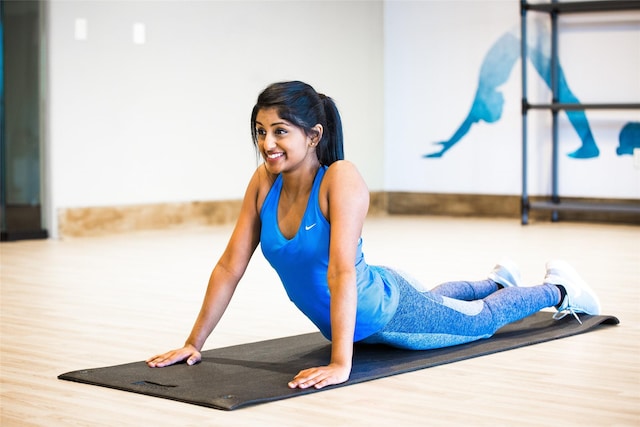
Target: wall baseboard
x=403, y=203
x=93, y=221
x=496, y=206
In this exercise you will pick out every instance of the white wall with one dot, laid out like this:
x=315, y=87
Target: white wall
x=433, y=54
x=168, y=121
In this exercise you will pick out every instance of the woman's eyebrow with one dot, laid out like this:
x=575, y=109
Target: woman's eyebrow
x=283, y=123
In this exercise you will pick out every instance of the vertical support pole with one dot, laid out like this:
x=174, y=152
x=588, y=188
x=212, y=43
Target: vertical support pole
x=554, y=111
x=525, y=106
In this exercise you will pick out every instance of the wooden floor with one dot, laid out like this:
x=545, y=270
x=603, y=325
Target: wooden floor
x=91, y=302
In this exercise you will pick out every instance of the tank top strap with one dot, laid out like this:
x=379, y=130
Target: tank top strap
x=314, y=202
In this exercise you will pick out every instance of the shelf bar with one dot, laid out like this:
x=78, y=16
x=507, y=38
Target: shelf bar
x=568, y=106
x=586, y=206
x=584, y=6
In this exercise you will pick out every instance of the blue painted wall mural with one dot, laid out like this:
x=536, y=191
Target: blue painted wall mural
x=629, y=138
x=488, y=102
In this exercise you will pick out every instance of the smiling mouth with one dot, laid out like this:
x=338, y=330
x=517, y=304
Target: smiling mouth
x=274, y=155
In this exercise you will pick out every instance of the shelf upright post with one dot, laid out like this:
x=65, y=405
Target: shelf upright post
x=525, y=106
x=554, y=112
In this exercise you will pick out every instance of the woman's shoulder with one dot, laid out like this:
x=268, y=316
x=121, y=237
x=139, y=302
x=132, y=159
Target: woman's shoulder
x=264, y=176
x=261, y=183
x=342, y=172
x=342, y=165
x=344, y=185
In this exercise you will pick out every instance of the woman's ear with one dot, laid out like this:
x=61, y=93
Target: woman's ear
x=316, y=134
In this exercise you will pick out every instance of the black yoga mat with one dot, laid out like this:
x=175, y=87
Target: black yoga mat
x=232, y=377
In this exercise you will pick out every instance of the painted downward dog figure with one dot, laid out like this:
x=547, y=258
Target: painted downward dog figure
x=306, y=207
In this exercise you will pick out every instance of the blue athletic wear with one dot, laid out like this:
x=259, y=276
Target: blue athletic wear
x=302, y=262
x=458, y=312
x=390, y=309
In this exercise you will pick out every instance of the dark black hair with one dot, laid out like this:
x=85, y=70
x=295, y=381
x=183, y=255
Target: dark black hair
x=300, y=104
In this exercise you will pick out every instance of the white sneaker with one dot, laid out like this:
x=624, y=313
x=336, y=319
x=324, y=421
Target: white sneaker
x=506, y=273
x=580, y=297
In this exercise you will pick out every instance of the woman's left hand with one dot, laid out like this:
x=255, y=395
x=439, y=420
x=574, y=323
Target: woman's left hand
x=321, y=376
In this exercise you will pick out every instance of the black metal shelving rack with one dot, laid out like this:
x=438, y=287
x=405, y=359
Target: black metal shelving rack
x=554, y=8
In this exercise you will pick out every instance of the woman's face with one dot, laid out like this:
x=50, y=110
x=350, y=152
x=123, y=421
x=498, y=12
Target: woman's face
x=283, y=145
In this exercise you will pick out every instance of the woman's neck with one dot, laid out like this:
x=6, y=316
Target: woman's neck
x=299, y=183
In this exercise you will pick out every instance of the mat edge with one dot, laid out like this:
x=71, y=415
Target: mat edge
x=608, y=320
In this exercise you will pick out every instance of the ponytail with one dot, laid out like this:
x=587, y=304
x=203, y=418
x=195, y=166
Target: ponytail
x=331, y=146
x=300, y=104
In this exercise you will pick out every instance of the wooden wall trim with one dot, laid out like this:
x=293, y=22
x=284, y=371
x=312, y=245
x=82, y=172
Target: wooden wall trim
x=499, y=206
x=91, y=221
x=403, y=203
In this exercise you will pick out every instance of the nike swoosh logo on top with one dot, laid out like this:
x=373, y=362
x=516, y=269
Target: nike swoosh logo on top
x=309, y=227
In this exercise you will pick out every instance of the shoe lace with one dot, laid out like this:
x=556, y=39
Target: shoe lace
x=562, y=313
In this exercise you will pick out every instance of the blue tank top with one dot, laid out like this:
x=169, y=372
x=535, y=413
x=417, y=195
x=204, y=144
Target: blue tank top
x=302, y=262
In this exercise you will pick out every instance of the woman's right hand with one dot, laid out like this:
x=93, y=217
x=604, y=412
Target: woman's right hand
x=187, y=353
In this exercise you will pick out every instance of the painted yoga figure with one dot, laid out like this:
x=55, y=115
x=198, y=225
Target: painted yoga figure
x=496, y=68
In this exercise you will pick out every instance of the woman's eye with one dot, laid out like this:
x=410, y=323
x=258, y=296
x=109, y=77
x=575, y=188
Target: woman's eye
x=261, y=132
x=281, y=131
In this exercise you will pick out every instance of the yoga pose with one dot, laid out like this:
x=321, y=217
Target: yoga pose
x=496, y=67
x=306, y=207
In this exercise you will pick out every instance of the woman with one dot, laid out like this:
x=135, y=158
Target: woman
x=306, y=206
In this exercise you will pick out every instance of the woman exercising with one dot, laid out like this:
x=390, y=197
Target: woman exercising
x=306, y=207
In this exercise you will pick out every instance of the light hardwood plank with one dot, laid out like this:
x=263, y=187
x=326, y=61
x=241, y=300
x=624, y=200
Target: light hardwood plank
x=98, y=301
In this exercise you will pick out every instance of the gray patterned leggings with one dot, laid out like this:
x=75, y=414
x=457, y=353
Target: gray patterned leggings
x=458, y=312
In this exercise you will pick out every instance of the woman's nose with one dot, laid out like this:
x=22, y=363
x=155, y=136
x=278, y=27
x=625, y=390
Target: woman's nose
x=269, y=142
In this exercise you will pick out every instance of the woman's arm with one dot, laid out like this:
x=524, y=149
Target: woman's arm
x=224, y=278
x=346, y=205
